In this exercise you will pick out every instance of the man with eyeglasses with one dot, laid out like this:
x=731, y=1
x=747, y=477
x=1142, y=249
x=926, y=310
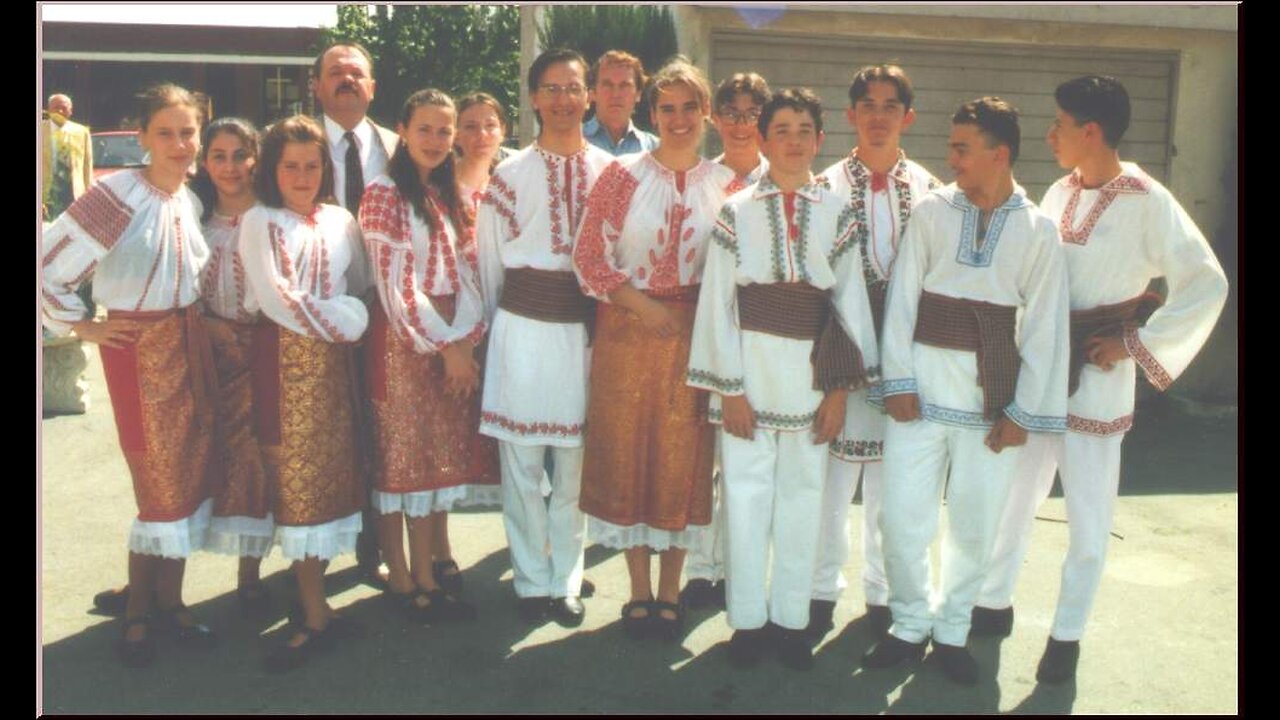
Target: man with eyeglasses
x=882, y=186
x=738, y=101
x=617, y=80
x=535, y=385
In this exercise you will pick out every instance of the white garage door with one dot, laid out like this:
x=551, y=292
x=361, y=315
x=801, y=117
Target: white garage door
x=947, y=74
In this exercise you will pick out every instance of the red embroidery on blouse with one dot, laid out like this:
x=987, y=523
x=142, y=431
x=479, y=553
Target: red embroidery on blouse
x=53, y=300
x=180, y=251
x=101, y=214
x=84, y=275
x=383, y=212
x=1078, y=424
x=237, y=271
x=56, y=250
x=1106, y=195
x=610, y=201
x=666, y=267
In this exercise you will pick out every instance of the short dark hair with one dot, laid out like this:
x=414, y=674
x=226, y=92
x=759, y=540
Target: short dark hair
x=317, y=66
x=748, y=83
x=549, y=58
x=799, y=99
x=996, y=119
x=299, y=129
x=1096, y=98
x=882, y=73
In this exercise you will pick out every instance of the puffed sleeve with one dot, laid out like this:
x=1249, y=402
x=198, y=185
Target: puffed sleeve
x=593, y=251
x=72, y=247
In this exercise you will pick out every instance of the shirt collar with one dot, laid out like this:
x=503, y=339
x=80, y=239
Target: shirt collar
x=593, y=128
x=766, y=187
x=899, y=172
x=1016, y=200
x=335, y=133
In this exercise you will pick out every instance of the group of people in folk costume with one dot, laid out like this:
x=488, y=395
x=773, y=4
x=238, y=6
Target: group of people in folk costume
x=562, y=330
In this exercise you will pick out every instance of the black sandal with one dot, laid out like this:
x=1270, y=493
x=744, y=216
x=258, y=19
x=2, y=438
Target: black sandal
x=288, y=657
x=445, y=607
x=637, y=627
x=447, y=575
x=136, y=653
x=255, y=600
x=669, y=629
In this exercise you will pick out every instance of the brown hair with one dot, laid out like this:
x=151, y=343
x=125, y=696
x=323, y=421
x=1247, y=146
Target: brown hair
x=748, y=83
x=296, y=129
x=404, y=172
x=319, y=63
x=618, y=57
x=202, y=185
x=679, y=71
x=891, y=74
x=483, y=98
x=996, y=119
x=166, y=95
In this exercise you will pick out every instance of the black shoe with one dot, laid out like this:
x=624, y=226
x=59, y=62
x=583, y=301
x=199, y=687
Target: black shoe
x=635, y=625
x=820, y=622
x=137, y=654
x=793, y=648
x=254, y=599
x=179, y=623
x=534, y=610
x=989, y=622
x=669, y=629
x=746, y=646
x=447, y=576
x=446, y=608
x=879, y=619
x=588, y=589
x=112, y=602
x=891, y=651
x=957, y=664
x=718, y=598
x=698, y=593
x=1058, y=664
x=568, y=611
x=286, y=658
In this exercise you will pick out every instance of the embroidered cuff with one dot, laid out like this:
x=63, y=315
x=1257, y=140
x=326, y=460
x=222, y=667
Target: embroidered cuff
x=1156, y=374
x=715, y=383
x=1035, y=423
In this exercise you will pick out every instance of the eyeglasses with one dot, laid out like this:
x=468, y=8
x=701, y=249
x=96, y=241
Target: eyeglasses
x=575, y=90
x=750, y=117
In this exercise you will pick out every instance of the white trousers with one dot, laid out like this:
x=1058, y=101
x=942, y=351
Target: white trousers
x=705, y=559
x=772, y=495
x=1090, y=471
x=546, y=535
x=833, y=540
x=917, y=457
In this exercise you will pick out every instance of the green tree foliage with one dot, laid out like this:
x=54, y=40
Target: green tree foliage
x=456, y=48
x=646, y=31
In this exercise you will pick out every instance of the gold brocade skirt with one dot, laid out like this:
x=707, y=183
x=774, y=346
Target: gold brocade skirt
x=303, y=403
x=648, y=454
x=425, y=439
x=159, y=388
x=242, y=489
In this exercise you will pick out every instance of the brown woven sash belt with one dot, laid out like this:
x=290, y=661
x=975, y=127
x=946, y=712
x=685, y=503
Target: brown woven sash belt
x=980, y=327
x=547, y=295
x=803, y=312
x=1105, y=321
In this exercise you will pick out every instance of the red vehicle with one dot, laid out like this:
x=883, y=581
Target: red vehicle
x=114, y=150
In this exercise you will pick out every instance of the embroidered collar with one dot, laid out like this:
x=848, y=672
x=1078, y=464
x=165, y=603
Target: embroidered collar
x=141, y=174
x=555, y=157
x=310, y=219
x=691, y=175
x=811, y=191
x=1130, y=180
x=858, y=170
x=956, y=197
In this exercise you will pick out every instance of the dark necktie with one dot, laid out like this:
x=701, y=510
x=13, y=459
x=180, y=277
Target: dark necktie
x=355, y=175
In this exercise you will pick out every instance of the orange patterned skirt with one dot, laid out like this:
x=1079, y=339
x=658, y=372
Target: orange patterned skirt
x=425, y=438
x=649, y=447
x=161, y=390
x=243, y=490
x=303, y=406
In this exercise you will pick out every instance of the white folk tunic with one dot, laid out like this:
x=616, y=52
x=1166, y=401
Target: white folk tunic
x=650, y=234
x=741, y=182
x=1116, y=239
x=144, y=250
x=1018, y=264
x=142, y=246
x=750, y=244
x=411, y=263
x=535, y=386
x=304, y=274
x=223, y=282
x=881, y=213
